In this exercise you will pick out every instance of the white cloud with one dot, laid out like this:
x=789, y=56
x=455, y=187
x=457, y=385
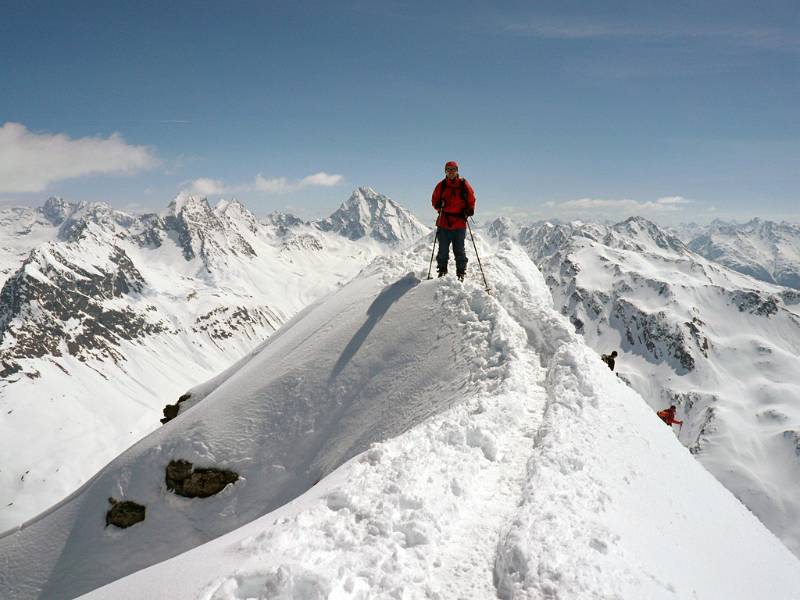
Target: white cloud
x=276, y=185
x=204, y=186
x=666, y=204
x=773, y=38
x=30, y=162
x=321, y=179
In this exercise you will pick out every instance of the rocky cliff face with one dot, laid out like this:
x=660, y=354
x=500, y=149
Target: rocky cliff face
x=59, y=303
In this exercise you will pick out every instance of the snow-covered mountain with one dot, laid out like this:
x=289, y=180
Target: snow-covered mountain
x=722, y=346
x=484, y=452
x=370, y=214
x=766, y=250
x=106, y=317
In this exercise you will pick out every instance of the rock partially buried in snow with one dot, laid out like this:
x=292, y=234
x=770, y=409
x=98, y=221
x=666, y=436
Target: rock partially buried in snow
x=171, y=410
x=124, y=514
x=183, y=479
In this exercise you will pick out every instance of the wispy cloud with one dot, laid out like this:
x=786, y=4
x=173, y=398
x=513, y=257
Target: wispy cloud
x=204, y=186
x=30, y=162
x=662, y=205
x=771, y=38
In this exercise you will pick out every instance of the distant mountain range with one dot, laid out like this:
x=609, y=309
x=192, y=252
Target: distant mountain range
x=766, y=250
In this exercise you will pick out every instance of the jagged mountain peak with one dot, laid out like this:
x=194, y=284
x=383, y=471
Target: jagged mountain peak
x=185, y=202
x=647, y=233
x=57, y=210
x=368, y=213
x=237, y=214
x=502, y=228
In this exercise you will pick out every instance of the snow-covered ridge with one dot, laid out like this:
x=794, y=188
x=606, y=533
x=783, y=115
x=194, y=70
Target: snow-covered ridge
x=721, y=346
x=496, y=458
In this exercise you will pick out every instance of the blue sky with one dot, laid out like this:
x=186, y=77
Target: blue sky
x=676, y=111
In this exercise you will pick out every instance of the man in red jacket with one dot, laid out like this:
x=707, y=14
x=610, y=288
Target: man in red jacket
x=668, y=416
x=454, y=198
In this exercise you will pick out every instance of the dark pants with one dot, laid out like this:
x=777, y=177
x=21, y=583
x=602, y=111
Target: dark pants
x=457, y=237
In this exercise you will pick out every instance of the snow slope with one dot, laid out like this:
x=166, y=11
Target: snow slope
x=720, y=345
x=407, y=438
x=106, y=317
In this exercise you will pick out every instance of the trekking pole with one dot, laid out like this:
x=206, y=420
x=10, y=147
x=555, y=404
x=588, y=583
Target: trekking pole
x=486, y=285
x=430, y=266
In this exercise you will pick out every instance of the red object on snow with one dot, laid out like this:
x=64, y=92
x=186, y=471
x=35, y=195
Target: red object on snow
x=668, y=416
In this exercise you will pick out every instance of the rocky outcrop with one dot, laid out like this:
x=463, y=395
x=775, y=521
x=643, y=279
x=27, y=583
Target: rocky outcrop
x=754, y=303
x=655, y=333
x=184, y=480
x=242, y=321
x=124, y=514
x=171, y=410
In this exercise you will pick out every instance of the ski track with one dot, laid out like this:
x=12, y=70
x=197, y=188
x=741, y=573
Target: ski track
x=476, y=452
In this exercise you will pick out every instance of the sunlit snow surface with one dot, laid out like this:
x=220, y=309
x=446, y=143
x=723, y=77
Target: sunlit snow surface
x=722, y=346
x=83, y=411
x=468, y=446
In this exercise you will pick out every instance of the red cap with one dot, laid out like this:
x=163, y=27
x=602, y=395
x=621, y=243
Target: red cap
x=451, y=163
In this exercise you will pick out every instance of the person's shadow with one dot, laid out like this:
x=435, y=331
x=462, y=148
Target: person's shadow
x=375, y=313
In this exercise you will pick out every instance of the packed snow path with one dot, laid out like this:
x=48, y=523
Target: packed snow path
x=471, y=446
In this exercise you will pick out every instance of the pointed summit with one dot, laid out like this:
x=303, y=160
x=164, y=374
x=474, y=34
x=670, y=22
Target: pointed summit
x=56, y=209
x=648, y=234
x=370, y=214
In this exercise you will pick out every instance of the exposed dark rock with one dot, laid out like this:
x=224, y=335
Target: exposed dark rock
x=303, y=241
x=790, y=296
x=793, y=436
x=694, y=327
x=226, y=321
x=124, y=514
x=754, y=303
x=662, y=340
x=183, y=479
x=171, y=410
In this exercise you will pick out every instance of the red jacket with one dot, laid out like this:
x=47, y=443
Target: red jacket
x=454, y=205
x=668, y=416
